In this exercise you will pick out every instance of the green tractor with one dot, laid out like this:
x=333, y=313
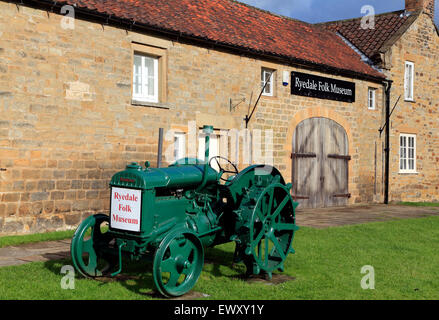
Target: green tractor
x=170, y=215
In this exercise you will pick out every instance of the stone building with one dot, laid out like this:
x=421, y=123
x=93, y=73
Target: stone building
x=404, y=45
x=85, y=86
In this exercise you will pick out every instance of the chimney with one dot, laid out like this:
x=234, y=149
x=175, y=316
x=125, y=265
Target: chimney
x=427, y=6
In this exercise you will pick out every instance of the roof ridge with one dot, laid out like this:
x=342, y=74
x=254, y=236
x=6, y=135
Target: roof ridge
x=358, y=18
x=271, y=13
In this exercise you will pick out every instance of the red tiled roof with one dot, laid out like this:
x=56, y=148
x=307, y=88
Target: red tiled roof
x=372, y=41
x=235, y=24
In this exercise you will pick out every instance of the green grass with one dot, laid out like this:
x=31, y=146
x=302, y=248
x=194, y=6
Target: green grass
x=327, y=265
x=40, y=237
x=420, y=204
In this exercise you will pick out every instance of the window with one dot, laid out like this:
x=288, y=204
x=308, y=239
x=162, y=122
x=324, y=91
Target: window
x=146, y=78
x=371, y=99
x=267, y=76
x=407, y=153
x=179, y=146
x=409, y=80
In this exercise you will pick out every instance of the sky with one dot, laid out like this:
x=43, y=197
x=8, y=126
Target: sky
x=314, y=11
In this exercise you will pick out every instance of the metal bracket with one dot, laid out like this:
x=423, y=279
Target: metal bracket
x=122, y=244
x=300, y=198
x=303, y=155
x=348, y=195
x=336, y=156
x=233, y=107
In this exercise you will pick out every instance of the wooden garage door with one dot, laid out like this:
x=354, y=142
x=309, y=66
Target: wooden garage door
x=320, y=164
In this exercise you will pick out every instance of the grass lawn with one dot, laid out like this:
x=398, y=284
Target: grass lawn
x=51, y=236
x=327, y=265
x=420, y=204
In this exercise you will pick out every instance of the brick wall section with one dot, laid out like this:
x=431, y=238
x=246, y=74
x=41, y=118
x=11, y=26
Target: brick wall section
x=420, y=44
x=67, y=123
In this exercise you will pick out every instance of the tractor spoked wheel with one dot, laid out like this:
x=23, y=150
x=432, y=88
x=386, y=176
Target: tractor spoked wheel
x=87, y=244
x=178, y=263
x=272, y=230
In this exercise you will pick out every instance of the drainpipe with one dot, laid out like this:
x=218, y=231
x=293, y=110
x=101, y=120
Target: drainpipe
x=388, y=87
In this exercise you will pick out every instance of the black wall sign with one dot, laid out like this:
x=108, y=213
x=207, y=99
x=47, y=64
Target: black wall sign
x=309, y=85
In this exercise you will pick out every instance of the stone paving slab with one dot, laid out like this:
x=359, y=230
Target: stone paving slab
x=34, y=252
x=5, y=262
x=316, y=218
x=334, y=217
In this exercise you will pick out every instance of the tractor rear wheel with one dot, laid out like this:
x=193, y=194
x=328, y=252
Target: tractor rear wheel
x=272, y=228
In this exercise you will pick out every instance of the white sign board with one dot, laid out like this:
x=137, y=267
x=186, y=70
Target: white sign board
x=126, y=209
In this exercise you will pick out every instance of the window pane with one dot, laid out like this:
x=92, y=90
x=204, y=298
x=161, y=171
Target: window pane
x=266, y=76
x=137, y=75
x=371, y=99
x=145, y=78
x=179, y=146
x=176, y=149
x=408, y=152
x=409, y=74
x=149, y=68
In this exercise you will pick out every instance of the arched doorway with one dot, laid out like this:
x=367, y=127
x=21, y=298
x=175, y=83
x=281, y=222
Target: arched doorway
x=320, y=163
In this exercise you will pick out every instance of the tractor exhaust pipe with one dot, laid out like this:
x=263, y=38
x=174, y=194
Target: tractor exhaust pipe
x=207, y=130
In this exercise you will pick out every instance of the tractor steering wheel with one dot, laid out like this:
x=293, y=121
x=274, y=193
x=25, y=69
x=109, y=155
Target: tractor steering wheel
x=232, y=171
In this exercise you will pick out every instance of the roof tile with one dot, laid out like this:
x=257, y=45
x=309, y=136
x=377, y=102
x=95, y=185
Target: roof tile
x=370, y=41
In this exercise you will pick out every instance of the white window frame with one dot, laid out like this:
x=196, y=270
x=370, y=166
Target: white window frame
x=404, y=153
x=409, y=80
x=214, y=147
x=144, y=96
x=371, y=99
x=179, y=146
x=269, y=89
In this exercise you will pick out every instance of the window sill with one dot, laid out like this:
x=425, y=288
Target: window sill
x=151, y=104
x=408, y=173
x=268, y=97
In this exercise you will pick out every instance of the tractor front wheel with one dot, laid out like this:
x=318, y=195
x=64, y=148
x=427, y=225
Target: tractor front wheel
x=178, y=263
x=87, y=247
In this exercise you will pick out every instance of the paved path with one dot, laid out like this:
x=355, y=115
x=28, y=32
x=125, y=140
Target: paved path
x=32, y=252
x=334, y=217
x=317, y=218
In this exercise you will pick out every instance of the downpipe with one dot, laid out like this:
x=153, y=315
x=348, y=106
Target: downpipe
x=388, y=87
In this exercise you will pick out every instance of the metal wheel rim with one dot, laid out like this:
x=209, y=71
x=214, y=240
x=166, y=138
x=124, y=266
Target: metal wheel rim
x=171, y=257
x=272, y=222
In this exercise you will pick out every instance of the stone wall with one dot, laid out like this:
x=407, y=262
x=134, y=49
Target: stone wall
x=420, y=44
